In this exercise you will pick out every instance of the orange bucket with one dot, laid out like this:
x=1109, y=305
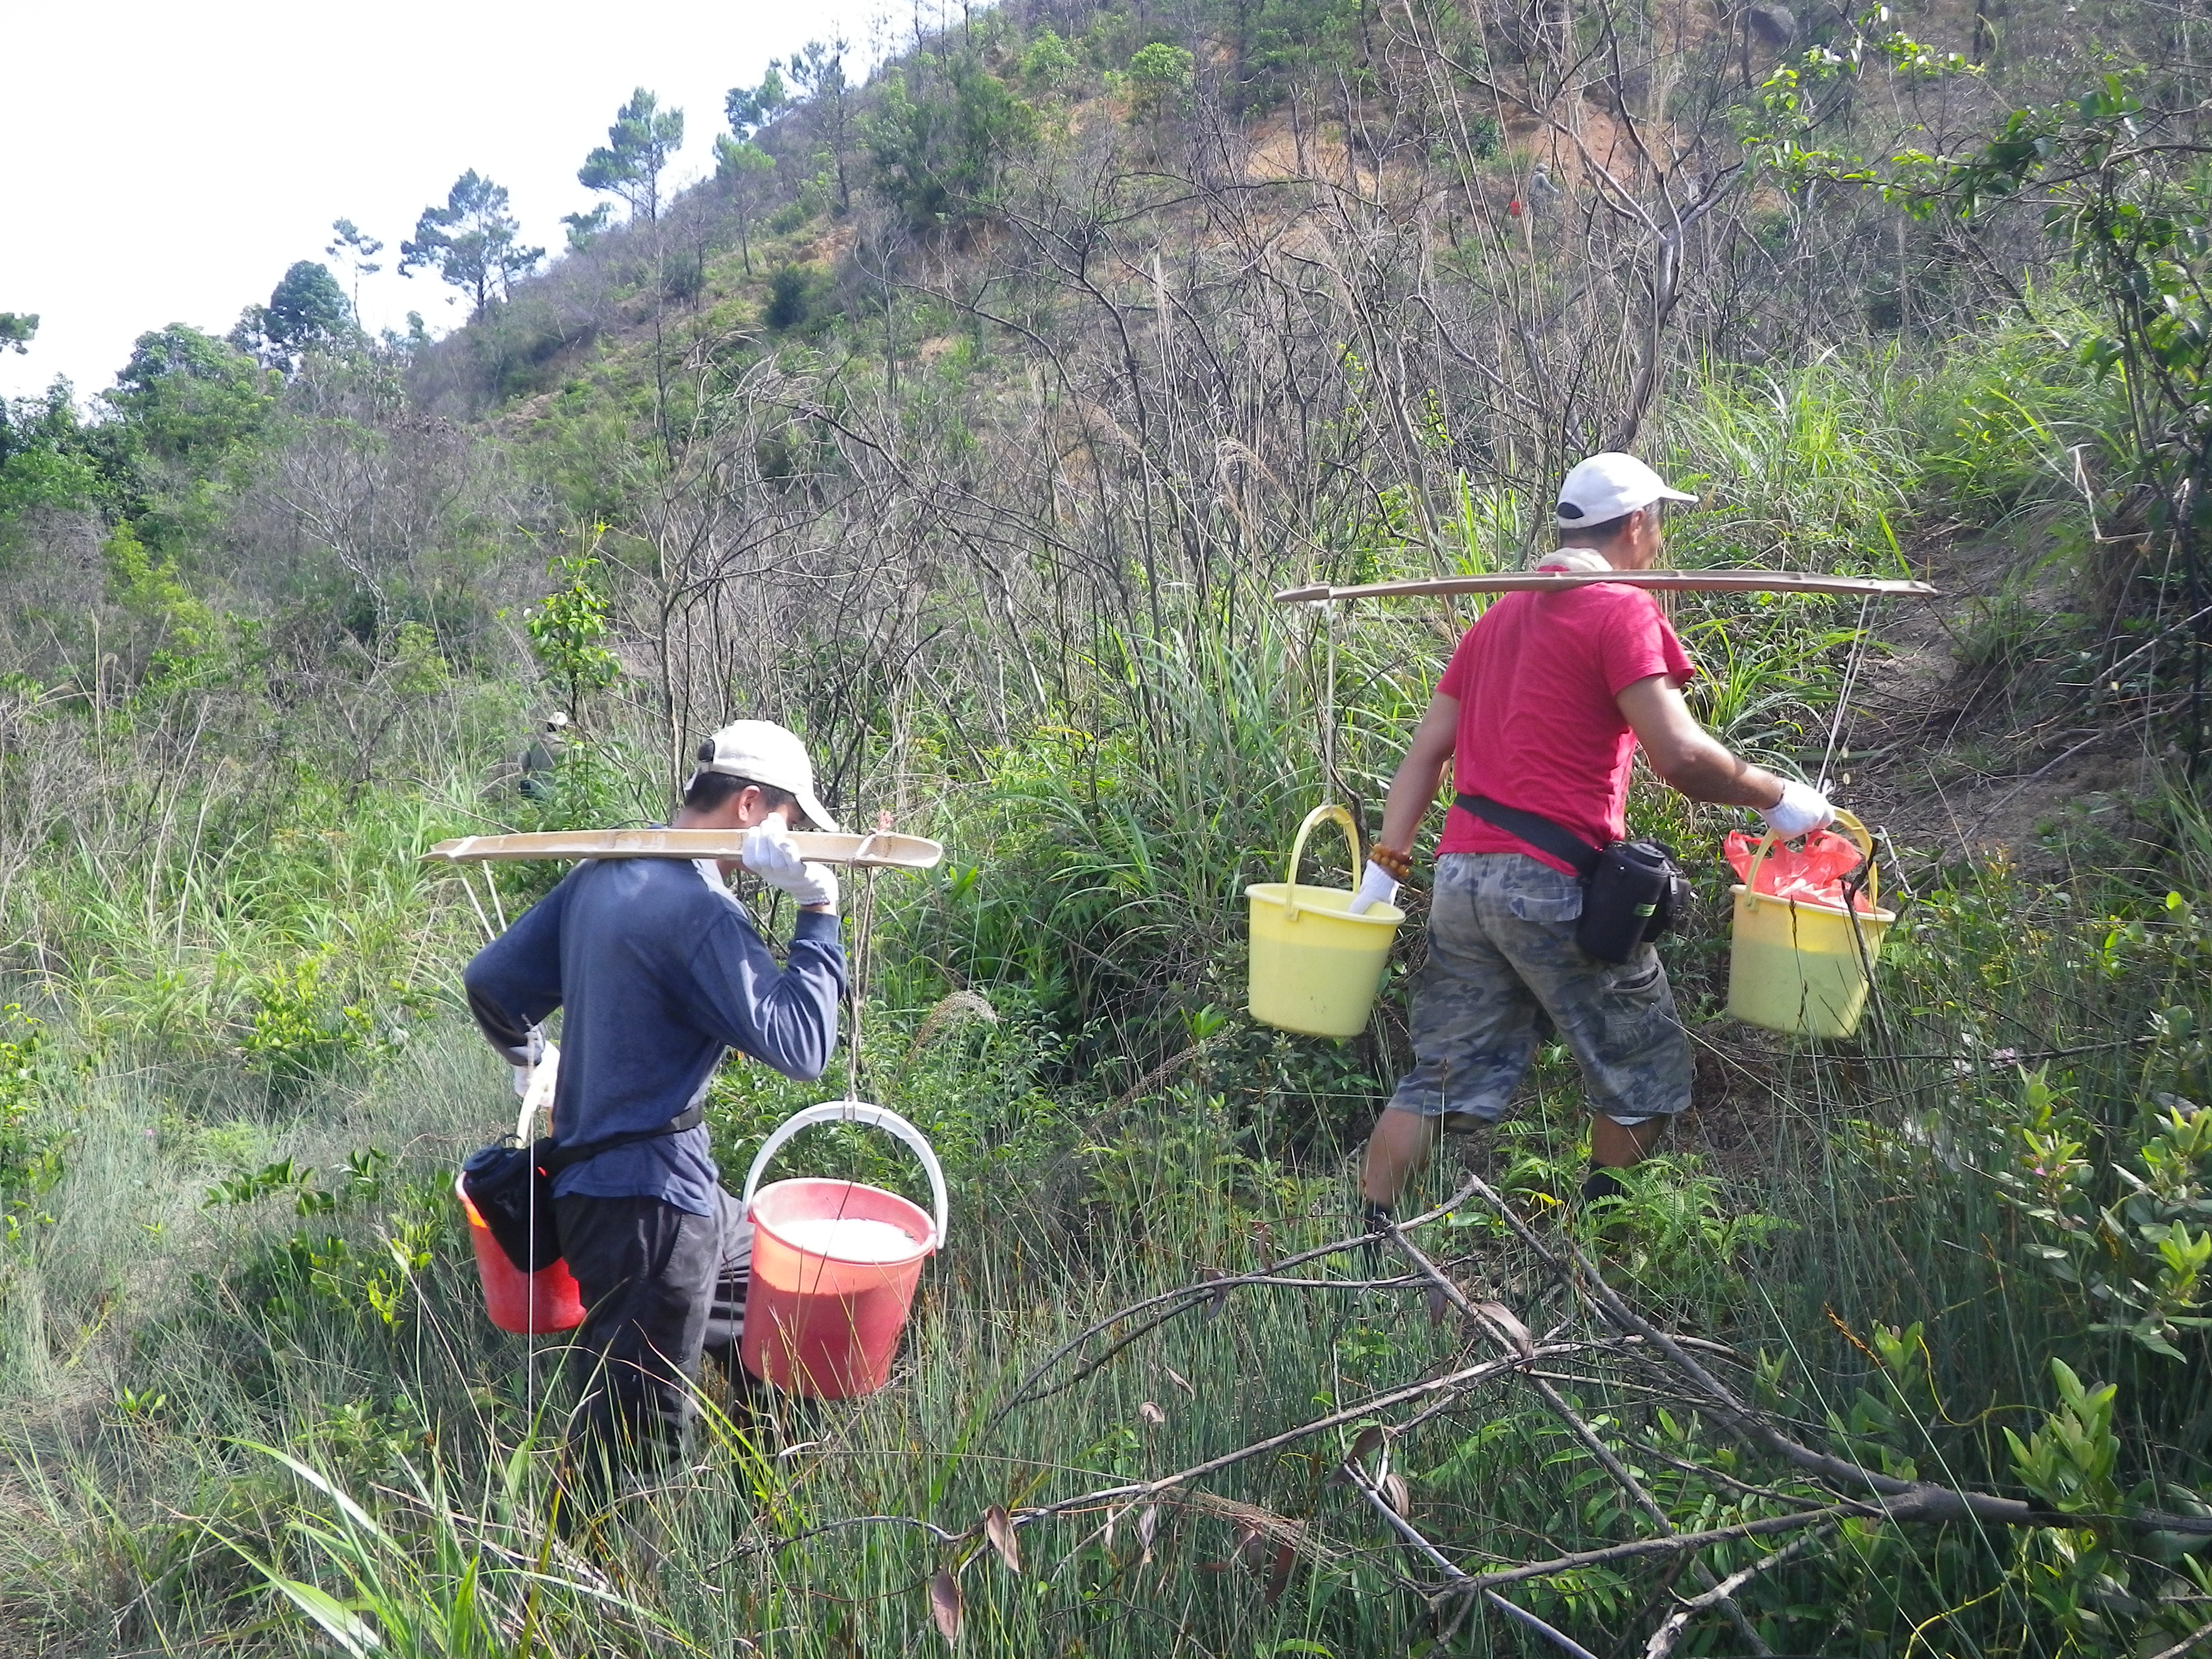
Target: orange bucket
x=531, y=1305
x=835, y=1266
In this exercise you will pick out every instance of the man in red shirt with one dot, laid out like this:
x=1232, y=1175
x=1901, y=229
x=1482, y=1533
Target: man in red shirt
x=1541, y=709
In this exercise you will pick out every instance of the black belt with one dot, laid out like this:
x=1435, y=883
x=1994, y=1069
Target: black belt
x=558, y=1157
x=1538, y=831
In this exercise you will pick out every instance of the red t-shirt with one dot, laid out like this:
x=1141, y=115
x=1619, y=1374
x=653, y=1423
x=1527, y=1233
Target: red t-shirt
x=1539, y=729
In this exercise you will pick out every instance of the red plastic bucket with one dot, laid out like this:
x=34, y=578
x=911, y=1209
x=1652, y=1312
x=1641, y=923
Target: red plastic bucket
x=835, y=1266
x=530, y=1305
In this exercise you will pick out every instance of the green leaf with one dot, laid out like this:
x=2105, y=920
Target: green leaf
x=339, y=1623
x=353, y=1512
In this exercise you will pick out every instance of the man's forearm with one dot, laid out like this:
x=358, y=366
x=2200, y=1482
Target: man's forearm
x=1413, y=789
x=1709, y=773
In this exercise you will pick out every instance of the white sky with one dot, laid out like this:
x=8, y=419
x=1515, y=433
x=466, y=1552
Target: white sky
x=174, y=158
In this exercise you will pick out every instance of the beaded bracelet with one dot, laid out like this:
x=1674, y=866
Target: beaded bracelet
x=1399, y=865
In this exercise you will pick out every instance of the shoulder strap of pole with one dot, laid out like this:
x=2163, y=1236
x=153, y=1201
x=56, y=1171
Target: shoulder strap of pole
x=557, y=1158
x=1539, y=832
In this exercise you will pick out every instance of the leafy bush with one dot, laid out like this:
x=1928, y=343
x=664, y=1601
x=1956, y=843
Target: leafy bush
x=787, y=297
x=1047, y=62
x=303, y=1033
x=1160, y=77
x=47, y=457
x=568, y=629
x=942, y=130
x=2016, y=424
x=31, y=1144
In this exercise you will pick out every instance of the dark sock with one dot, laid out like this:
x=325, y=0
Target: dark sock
x=1375, y=1219
x=1603, y=1183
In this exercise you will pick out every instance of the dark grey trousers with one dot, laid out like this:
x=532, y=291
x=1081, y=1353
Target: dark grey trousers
x=659, y=1286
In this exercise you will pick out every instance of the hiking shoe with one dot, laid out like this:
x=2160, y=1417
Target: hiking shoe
x=1601, y=1184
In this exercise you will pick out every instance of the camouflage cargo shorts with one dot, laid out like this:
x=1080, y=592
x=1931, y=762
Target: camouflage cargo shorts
x=1503, y=959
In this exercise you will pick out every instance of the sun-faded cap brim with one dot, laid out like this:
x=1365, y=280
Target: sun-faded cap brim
x=816, y=814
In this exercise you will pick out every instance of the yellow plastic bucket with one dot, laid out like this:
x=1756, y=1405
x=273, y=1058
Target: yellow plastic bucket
x=1801, y=968
x=1315, y=969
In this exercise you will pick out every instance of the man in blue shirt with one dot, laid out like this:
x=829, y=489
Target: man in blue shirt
x=660, y=971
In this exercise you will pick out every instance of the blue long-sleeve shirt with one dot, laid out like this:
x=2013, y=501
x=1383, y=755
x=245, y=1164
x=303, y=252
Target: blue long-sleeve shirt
x=660, y=971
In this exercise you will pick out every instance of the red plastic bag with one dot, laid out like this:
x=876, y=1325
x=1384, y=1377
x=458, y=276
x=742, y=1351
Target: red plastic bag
x=1812, y=874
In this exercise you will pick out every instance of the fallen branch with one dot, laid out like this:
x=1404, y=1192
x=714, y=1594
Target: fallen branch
x=1515, y=1337
x=2194, y=1640
x=1638, y=1549
x=1187, y=1296
x=1664, y=1639
x=1368, y=1407
x=1869, y=1494
x=1398, y=1523
x=1559, y=1639
x=1925, y=1499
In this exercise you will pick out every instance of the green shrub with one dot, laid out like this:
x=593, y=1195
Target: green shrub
x=1047, y=62
x=788, y=298
x=1160, y=77
x=940, y=134
x=31, y=1143
x=301, y=1032
x=2015, y=419
x=568, y=627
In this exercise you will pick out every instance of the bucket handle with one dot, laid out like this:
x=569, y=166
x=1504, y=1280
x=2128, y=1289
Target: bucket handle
x=1328, y=813
x=1852, y=827
x=854, y=1111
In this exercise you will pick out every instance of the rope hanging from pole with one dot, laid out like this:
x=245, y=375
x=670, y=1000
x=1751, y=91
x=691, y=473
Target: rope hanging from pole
x=1843, y=692
x=864, y=924
x=1328, y=782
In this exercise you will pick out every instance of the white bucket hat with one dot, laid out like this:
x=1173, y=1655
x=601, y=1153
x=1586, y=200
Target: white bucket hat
x=761, y=752
x=1608, y=486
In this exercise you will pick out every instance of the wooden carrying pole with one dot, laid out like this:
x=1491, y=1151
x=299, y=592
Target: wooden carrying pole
x=1674, y=581
x=880, y=850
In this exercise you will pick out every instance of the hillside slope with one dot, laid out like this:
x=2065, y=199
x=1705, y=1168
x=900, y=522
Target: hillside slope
x=972, y=435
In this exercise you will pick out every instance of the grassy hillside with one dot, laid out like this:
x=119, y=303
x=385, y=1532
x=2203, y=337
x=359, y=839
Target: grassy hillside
x=972, y=435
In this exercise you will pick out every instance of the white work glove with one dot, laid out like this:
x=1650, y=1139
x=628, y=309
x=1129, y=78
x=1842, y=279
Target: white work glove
x=530, y=1050
x=534, y=1083
x=770, y=854
x=1377, y=886
x=1801, y=810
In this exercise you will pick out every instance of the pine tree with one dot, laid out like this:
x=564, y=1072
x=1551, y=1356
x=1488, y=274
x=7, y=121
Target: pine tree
x=637, y=151
x=472, y=242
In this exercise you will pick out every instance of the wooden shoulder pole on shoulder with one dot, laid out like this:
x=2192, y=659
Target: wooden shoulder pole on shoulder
x=879, y=849
x=1665, y=581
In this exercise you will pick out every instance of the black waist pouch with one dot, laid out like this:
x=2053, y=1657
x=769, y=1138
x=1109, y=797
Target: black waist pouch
x=512, y=1186
x=1632, y=892
x=1631, y=896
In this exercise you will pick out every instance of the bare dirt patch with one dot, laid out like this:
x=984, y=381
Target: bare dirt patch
x=1963, y=737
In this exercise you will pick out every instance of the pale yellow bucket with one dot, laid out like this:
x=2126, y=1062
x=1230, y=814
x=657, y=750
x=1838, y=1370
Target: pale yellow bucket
x=1315, y=969
x=1801, y=968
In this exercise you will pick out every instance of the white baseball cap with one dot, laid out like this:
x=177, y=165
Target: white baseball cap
x=761, y=752
x=1608, y=486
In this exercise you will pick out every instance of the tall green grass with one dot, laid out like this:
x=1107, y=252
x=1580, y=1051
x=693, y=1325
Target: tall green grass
x=274, y=1467
x=264, y=1460
x=251, y=1402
